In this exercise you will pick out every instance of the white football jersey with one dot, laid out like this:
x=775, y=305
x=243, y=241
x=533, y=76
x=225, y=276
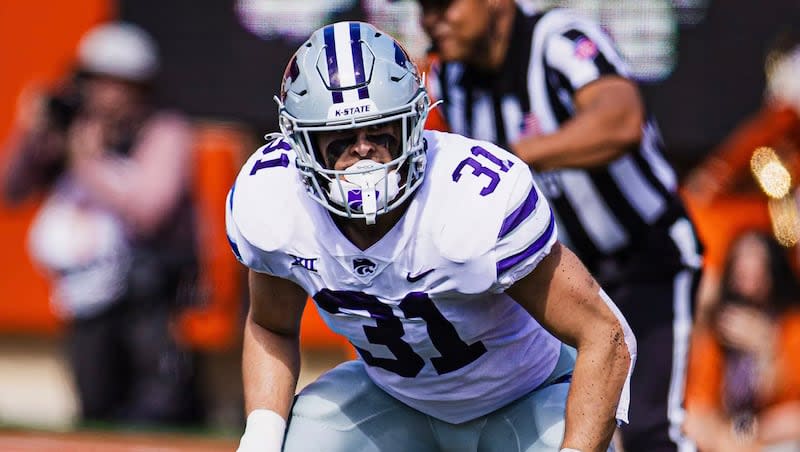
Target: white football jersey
x=424, y=306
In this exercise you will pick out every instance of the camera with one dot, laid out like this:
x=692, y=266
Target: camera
x=64, y=104
x=61, y=110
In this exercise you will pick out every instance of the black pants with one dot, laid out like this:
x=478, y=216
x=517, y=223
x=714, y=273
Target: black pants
x=660, y=315
x=129, y=369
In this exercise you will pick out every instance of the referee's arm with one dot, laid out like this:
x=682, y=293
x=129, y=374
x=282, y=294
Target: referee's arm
x=607, y=120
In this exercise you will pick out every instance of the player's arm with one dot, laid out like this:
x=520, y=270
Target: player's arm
x=562, y=295
x=270, y=359
x=608, y=109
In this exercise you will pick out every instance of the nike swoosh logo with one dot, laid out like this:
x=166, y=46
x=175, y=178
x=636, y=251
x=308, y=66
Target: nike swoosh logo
x=416, y=278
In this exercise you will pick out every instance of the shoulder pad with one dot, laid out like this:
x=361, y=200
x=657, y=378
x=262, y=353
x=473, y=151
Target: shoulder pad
x=469, y=188
x=266, y=195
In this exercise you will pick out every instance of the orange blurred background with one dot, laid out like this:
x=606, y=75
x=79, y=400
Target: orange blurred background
x=40, y=40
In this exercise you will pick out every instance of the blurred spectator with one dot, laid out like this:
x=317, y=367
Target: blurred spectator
x=721, y=193
x=115, y=232
x=777, y=123
x=743, y=386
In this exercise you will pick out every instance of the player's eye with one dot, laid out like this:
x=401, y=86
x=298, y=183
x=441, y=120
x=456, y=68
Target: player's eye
x=336, y=148
x=386, y=140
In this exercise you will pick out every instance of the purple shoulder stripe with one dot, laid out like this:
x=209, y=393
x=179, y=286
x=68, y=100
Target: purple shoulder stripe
x=509, y=262
x=520, y=213
x=230, y=195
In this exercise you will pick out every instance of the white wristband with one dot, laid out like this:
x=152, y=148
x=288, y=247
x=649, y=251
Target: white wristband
x=263, y=433
x=569, y=450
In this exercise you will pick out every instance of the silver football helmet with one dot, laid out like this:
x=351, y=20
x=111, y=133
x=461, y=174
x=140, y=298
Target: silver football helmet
x=350, y=75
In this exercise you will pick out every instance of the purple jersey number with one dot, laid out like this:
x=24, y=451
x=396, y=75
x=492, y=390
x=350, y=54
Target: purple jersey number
x=479, y=170
x=283, y=160
x=388, y=331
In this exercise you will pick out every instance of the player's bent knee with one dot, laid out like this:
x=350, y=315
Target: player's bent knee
x=324, y=402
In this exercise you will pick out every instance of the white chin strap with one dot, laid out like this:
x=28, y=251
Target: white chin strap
x=365, y=187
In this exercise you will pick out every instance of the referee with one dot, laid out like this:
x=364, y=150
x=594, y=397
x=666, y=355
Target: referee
x=552, y=87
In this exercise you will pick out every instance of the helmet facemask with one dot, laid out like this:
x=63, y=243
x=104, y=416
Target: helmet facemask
x=394, y=93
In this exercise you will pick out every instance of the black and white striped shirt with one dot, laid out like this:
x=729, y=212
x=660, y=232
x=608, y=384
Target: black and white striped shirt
x=619, y=217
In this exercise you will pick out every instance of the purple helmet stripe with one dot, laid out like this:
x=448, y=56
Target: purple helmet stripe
x=520, y=213
x=508, y=263
x=358, y=59
x=333, y=64
x=399, y=55
x=292, y=70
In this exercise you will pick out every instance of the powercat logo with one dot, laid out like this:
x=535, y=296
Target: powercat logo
x=340, y=111
x=363, y=267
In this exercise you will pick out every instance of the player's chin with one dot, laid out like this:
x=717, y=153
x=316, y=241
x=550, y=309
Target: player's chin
x=343, y=165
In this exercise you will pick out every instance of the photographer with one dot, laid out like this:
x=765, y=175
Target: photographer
x=115, y=232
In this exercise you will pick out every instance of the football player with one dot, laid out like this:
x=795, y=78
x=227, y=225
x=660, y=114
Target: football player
x=434, y=254
x=551, y=86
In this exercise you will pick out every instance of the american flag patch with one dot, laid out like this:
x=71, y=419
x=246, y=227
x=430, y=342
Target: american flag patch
x=530, y=125
x=585, y=49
